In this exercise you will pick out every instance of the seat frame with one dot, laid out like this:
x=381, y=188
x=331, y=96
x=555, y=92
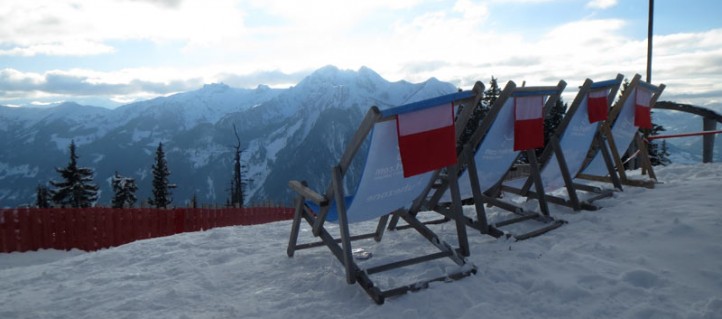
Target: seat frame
x=432, y=197
x=615, y=150
x=341, y=247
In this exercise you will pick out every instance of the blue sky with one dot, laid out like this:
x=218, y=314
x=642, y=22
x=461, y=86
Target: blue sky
x=107, y=53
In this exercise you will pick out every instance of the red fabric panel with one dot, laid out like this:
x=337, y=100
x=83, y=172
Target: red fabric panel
x=528, y=134
x=642, y=117
x=598, y=108
x=642, y=109
x=427, y=151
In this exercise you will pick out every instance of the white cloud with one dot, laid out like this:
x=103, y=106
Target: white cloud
x=82, y=27
x=601, y=4
x=69, y=48
x=471, y=10
x=411, y=40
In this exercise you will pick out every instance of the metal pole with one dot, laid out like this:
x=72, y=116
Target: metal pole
x=649, y=41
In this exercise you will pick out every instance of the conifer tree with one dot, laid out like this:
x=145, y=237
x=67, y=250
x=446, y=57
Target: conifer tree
x=237, y=182
x=554, y=118
x=77, y=188
x=658, y=154
x=42, y=197
x=480, y=110
x=194, y=201
x=491, y=94
x=161, y=188
x=124, y=189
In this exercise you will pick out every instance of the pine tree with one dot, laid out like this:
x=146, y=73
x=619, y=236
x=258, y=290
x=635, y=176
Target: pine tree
x=480, y=110
x=194, y=201
x=658, y=155
x=237, y=182
x=161, y=188
x=491, y=94
x=77, y=188
x=42, y=197
x=553, y=119
x=124, y=189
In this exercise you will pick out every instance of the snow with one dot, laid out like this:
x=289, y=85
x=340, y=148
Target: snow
x=23, y=170
x=649, y=253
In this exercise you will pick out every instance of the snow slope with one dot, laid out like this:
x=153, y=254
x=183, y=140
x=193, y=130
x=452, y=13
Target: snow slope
x=647, y=254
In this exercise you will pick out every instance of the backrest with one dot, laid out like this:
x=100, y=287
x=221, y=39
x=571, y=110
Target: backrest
x=576, y=133
x=494, y=139
x=382, y=188
x=622, y=118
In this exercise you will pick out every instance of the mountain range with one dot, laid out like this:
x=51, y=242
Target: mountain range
x=294, y=133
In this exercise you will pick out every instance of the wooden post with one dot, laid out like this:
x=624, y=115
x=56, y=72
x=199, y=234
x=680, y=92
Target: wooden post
x=708, y=124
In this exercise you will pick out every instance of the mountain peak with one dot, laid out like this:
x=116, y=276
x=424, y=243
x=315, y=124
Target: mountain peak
x=69, y=104
x=370, y=74
x=215, y=87
x=326, y=70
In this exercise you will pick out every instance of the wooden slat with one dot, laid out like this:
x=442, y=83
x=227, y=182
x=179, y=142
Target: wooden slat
x=308, y=193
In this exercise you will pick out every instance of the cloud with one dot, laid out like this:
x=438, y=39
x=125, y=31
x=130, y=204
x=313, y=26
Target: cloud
x=164, y=3
x=70, y=48
x=273, y=78
x=85, y=27
x=601, y=4
x=471, y=10
x=79, y=83
x=276, y=42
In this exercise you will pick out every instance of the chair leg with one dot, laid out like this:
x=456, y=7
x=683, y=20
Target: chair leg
x=343, y=226
x=572, y=192
x=478, y=196
x=381, y=227
x=393, y=222
x=295, y=226
x=536, y=175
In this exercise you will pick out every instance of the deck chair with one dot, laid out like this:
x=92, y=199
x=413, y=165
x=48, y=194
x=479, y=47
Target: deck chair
x=620, y=131
x=564, y=157
x=383, y=188
x=486, y=158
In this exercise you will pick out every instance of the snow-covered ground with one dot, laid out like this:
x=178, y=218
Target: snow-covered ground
x=647, y=254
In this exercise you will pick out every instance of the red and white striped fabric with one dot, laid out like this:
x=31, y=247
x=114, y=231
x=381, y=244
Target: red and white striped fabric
x=528, y=122
x=427, y=139
x=598, y=106
x=642, y=110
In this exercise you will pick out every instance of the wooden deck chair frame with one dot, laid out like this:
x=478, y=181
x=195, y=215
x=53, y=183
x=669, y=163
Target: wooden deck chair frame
x=554, y=152
x=341, y=247
x=433, y=201
x=616, y=150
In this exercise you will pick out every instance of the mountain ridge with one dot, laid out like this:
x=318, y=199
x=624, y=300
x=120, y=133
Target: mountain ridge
x=196, y=127
x=293, y=133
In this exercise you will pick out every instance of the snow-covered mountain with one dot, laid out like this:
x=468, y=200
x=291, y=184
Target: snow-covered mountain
x=287, y=133
x=294, y=133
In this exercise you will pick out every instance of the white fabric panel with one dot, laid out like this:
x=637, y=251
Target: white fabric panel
x=426, y=120
x=599, y=93
x=574, y=143
x=623, y=132
x=643, y=97
x=495, y=154
x=529, y=107
x=383, y=188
